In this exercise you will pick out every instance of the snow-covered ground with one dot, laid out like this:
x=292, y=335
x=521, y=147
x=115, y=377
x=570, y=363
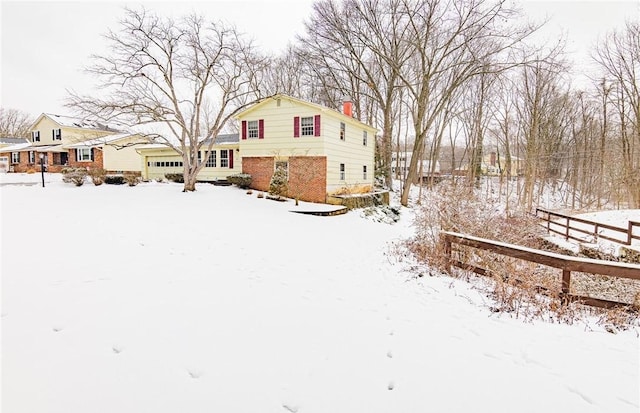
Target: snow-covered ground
x=615, y=218
x=147, y=299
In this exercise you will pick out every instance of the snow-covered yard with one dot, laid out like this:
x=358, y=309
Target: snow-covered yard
x=147, y=299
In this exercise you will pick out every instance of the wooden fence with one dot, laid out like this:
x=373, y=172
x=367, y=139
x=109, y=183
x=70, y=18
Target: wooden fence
x=554, y=220
x=563, y=262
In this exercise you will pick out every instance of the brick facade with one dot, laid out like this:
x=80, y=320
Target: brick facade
x=55, y=161
x=96, y=163
x=307, y=175
x=308, y=178
x=261, y=169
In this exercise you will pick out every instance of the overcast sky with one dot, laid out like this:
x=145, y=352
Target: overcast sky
x=44, y=45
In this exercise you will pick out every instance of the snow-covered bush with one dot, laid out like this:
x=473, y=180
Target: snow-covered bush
x=97, y=175
x=131, y=178
x=278, y=185
x=241, y=180
x=114, y=179
x=175, y=177
x=76, y=176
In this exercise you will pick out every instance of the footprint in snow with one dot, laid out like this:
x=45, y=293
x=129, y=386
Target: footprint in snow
x=292, y=409
x=391, y=385
x=389, y=354
x=194, y=374
x=57, y=329
x=117, y=349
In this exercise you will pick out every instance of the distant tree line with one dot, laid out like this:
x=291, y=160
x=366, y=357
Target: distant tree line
x=436, y=75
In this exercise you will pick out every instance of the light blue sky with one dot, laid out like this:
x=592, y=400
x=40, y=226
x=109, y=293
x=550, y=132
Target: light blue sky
x=44, y=45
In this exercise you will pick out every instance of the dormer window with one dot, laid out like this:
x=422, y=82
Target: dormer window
x=35, y=136
x=57, y=134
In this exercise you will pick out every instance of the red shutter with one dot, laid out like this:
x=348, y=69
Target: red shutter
x=316, y=125
x=261, y=129
x=244, y=129
x=296, y=127
x=230, y=158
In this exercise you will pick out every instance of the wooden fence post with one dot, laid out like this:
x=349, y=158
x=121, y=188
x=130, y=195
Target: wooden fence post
x=447, y=252
x=566, y=282
x=629, y=232
x=566, y=237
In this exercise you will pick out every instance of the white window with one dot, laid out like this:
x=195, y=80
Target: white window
x=253, y=129
x=32, y=157
x=364, y=171
x=15, y=157
x=342, y=173
x=224, y=159
x=57, y=134
x=364, y=138
x=211, y=160
x=83, y=155
x=35, y=136
x=306, y=124
x=342, y=130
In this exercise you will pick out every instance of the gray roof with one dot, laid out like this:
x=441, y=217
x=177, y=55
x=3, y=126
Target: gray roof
x=13, y=141
x=225, y=138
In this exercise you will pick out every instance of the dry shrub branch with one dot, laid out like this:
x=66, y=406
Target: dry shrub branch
x=523, y=289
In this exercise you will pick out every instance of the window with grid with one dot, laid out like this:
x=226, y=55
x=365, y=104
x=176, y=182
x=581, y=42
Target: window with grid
x=32, y=157
x=57, y=134
x=211, y=160
x=306, y=125
x=342, y=130
x=253, y=131
x=15, y=157
x=35, y=136
x=224, y=158
x=342, y=172
x=364, y=138
x=364, y=171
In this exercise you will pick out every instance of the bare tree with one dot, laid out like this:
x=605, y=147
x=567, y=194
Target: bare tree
x=14, y=123
x=619, y=58
x=183, y=79
x=452, y=41
x=356, y=40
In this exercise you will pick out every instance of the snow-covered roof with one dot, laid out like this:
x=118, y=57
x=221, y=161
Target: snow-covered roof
x=72, y=122
x=19, y=147
x=100, y=141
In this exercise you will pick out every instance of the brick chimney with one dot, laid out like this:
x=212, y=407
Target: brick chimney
x=347, y=107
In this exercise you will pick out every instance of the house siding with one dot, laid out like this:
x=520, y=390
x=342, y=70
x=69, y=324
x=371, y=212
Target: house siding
x=119, y=158
x=169, y=155
x=45, y=126
x=280, y=142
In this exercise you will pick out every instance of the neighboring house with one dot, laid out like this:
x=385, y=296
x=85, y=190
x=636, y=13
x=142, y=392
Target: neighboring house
x=492, y=165
x=59, y=141
x=8, y=152
x=325, y=152
x=159, y=160
x=400, y=167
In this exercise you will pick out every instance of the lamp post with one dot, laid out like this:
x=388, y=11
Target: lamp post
x=42, y=167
